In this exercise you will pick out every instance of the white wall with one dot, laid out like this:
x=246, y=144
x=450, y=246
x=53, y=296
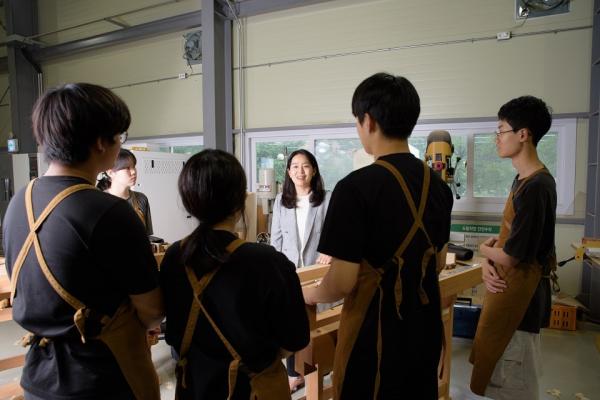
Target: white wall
x=457, y=80
x=460, y=80
x=158, y=108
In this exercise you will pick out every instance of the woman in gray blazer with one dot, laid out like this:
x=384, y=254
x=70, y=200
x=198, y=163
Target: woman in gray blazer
x=298, y=216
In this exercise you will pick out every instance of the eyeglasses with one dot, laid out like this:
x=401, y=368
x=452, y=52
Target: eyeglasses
x=123, y=137
x=499, y=133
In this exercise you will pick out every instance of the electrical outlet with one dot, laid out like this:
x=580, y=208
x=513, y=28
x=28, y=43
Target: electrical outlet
x=503, y=35
x=182, y=75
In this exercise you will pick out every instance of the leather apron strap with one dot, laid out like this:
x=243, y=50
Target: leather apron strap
x=123, y=333
x=32, y=238
x=198, y=287
x=502, y=313
x=368, y=281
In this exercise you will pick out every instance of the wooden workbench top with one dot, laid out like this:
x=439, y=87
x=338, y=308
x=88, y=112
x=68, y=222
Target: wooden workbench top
x=457, y=280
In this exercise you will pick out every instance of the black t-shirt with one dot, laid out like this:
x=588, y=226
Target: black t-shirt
x=256, y=301
x=368, y=217
x=532, y=239
x=97, y=249
x=140, y=200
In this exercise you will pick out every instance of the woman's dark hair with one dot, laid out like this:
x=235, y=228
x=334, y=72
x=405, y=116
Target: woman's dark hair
x=212, y=186
x=289, y=195
x=69, y=119
x=527, y=112
x=392, y=101
x=124, y=160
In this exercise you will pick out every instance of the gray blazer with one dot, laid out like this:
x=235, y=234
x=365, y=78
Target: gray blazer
x=284, y=231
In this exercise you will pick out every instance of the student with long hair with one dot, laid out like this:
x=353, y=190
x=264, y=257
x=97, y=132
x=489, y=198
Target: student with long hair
x=118, y=181
x=233, y=308
x=84, y=281
x=298, y=216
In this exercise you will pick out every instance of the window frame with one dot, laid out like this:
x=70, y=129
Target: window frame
x=565, y=159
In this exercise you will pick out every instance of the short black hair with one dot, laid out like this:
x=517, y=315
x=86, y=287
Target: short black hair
x=392, y=101
x=527, y=112
x=69, y=119
x=289, y=196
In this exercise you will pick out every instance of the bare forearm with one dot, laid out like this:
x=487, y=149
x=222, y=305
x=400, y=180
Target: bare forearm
x=321, y=294
x=149, y=308
x=336, y=284
x=498, y=256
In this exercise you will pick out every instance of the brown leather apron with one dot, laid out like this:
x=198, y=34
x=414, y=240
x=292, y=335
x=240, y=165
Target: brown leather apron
x=369, y=281
x=502, y=313
x=269, y=384
x=123, y=333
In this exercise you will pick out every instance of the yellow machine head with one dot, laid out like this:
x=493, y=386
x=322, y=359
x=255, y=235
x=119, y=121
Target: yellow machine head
x=439, y=154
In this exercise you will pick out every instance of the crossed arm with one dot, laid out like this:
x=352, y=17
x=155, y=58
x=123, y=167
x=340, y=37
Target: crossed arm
x=494, y=255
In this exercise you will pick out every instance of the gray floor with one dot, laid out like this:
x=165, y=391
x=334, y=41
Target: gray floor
x=571, y=363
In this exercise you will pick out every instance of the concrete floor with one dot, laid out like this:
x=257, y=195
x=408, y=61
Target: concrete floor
x=571, y=363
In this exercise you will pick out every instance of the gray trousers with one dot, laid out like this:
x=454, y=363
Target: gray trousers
x=517, y=373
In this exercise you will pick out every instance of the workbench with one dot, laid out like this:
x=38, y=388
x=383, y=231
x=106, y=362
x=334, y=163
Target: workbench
x=316, y=360
x=11, y=389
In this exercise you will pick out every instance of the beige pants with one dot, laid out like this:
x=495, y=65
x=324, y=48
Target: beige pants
x=517, y=372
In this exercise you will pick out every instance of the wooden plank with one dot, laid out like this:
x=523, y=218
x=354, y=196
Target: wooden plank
x=12, y=362
x=11, y=390
x=328, y=316
x=455, y=281
x=6, y=314
x=312, y=273
x=4, y=287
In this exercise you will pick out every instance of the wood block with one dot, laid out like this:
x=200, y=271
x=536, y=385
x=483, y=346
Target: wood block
x=12, y=362
x=11, y=391
x=6, y=314
x=312, y=273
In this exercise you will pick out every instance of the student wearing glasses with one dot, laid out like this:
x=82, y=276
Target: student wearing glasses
x=84, y=280
x=519, y=263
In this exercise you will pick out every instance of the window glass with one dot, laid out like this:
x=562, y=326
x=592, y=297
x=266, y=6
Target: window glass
x=548, y=150
x=334, y=157
x=186, y=149
x=483, y=181
x=274, y=155
x=493, y=176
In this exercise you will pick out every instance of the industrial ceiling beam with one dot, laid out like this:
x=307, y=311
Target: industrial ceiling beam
x=177, y=23
x=249, y=8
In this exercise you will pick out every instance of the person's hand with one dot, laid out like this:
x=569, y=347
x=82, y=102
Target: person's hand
x=491, y=279
x=490, y=242
x=323, y=259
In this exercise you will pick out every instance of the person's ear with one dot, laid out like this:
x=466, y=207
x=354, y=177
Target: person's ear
x=524, y=135
x=369, y=123
x=100, y=145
